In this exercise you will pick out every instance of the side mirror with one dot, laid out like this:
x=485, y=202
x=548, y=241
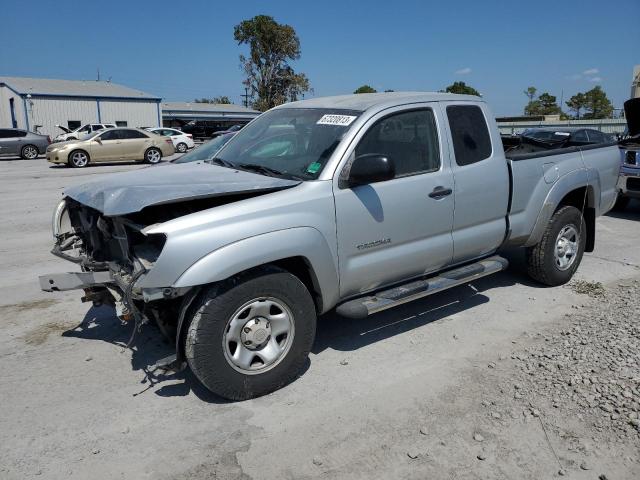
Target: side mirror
x=98, y=140
x=371, y=168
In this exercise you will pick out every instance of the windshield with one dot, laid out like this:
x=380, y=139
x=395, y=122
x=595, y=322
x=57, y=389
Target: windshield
x=292, y=142
x=206, y=151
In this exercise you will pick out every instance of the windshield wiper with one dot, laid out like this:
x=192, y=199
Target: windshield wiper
x=220, y=161
x=262, y=169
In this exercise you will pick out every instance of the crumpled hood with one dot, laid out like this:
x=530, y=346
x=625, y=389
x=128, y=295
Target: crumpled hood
x=632, y=114
x=129, y=192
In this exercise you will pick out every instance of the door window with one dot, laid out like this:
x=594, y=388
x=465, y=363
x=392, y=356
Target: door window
x=6, y=134
x=110, y=135
x=129, y=134
x=596, y=137
x=580, y=136
x=470, y=134
x=409, y=139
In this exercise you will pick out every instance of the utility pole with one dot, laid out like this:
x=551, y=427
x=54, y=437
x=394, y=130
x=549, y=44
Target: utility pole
x=246, y=97
x=98, y=69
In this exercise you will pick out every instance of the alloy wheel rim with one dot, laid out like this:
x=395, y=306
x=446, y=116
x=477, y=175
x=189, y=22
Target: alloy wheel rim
x=79, y=159
x=566, y=247
x=258, y=335
x=182, y=148
x=30, y=152
x=153, y=156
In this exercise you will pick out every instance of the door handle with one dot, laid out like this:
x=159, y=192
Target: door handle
x=440, y=192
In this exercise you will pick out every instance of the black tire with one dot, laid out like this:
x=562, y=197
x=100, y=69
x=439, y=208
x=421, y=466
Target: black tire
x=181, y=147
x=541, y=262
x=75, y=159
x=207, y=333
x=153, y=155
x=29, y=152
x=621, y=202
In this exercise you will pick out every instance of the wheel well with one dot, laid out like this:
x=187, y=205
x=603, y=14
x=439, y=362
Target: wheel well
x=583, y=199
x=301, y=268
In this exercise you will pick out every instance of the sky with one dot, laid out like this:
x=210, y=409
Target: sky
x=181, y=50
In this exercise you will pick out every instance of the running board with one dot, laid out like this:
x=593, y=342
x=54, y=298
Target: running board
x=364, y=306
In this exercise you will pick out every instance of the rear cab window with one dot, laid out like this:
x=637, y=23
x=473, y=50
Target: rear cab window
x=470, y=134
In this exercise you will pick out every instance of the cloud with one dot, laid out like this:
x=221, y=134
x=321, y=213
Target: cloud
x=576, y=76
x=595, y=79
x=591, y=71
x=463, y=71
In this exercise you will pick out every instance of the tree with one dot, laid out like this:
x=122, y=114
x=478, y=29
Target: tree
x=365, y=89
x=577, y=103
x=597, y=105
x=269, y=77
x=223, y=99
x=461, y=88
x=530, y=92
x=545, y=104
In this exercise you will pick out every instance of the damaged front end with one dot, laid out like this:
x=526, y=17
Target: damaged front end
x=113, y=254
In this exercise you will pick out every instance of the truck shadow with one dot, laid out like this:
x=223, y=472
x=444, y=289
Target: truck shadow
x=146, y=348
x=344, y=334
x=632, y=212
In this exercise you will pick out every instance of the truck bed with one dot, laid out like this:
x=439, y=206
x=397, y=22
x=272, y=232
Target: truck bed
x=537, y=177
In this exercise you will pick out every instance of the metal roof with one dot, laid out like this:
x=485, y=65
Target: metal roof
x=72, y=88
x=364, y=101
x=205, y=107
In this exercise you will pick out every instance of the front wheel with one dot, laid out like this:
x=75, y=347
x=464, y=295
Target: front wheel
x=251, y=335
x=29, y=152
x=153, y=156
x=555, y=259
x=78, y=159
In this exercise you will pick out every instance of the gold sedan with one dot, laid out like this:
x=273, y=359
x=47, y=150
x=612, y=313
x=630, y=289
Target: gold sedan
x=112, y=145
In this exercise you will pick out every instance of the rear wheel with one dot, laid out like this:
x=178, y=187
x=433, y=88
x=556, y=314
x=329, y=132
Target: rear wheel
x=153, y=155
x=78, y=159
x=29, y=152
x=251, y=335
x=181, y=147
x=555, y=259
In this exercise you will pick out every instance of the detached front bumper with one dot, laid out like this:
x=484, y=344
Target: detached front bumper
x=60, y=282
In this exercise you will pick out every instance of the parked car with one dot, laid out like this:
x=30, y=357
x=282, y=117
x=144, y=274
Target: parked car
x=27, y=145
x=208, y=128
x=342, y=203
x=550, y=138
x=629, y=181
x=206, y=151
x=181, y=141
x=233, y=129
x=81, y=132
x=111, y=145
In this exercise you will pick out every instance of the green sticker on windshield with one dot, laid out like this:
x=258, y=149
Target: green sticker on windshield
x=314, y=167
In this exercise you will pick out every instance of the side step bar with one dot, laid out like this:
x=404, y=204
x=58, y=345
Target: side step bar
x=365, y=306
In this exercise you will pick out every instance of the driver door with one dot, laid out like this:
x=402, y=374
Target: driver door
x=397, y=229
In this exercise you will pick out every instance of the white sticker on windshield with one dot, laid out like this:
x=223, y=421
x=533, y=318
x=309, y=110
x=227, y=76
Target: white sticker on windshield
x=563, y=134
x=342, y=120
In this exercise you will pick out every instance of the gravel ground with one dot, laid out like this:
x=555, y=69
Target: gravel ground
x=427, y=390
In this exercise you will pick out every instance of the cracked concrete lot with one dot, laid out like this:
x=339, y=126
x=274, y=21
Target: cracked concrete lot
x=422, y=391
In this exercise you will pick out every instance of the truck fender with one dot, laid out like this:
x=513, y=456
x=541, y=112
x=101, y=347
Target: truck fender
x=562, y=187
x=306, y=242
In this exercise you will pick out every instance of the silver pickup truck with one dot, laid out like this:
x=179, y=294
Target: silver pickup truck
x=356, y=203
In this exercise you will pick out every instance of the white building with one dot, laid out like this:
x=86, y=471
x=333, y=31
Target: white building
x=39, y=104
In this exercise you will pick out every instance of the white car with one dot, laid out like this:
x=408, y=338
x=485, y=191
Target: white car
x=81, y=132
x=181, y=141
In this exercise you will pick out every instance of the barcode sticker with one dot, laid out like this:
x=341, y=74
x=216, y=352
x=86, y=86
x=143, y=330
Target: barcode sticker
x=330, y=119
